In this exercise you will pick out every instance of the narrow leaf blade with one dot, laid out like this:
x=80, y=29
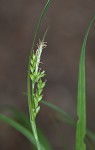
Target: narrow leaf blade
x=18, y=127
x=81, y=106
x=64, y=117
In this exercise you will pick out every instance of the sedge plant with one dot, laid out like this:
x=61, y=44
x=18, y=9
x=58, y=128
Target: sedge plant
x=35, y=86
x=81, y=104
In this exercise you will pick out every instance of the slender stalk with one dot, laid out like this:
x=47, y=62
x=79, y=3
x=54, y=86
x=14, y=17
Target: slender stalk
x=35, y=75
x=33, y=124
x=35, y=96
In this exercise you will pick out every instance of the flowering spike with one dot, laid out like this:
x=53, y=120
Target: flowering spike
x=36, y=75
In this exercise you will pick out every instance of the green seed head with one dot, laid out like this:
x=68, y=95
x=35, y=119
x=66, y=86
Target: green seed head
x=36, y=76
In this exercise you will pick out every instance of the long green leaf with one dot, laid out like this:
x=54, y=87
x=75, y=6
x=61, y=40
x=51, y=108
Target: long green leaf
x=81, y=106
x=18, y=127
x=18, y=115
x=23, y=120
x=66, y=118
x=39, y=22
x=21, y=129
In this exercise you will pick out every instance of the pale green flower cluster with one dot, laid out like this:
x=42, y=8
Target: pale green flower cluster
x=36, y=76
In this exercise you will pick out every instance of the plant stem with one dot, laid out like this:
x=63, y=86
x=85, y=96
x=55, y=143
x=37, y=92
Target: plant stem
x=33, y=124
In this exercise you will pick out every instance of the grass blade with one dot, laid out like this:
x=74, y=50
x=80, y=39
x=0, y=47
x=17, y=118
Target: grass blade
x=18, y=127
x=66, y=117
x=28, y=77
x=36, y=33
x=23, y=120
x=43, y=140
x=81, y=106
x=39, y=22
x=21, y=129
x=18, y=115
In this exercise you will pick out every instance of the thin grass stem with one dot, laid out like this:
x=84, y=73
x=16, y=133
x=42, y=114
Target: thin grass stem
x=34, y=129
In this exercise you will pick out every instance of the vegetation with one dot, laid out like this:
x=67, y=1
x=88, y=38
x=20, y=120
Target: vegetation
x=35, y=86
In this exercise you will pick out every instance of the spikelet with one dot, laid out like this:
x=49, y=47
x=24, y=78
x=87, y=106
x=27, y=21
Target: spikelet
x=36, y=76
